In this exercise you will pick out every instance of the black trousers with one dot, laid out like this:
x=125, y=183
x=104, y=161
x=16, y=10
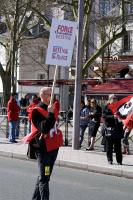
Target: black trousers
x=113, y=143
x=46, y=162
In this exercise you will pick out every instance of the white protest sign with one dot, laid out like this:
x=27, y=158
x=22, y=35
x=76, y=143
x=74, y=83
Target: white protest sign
x=61, y=42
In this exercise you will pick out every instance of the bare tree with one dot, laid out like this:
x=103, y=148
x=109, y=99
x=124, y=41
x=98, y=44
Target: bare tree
x=19, y=19
x=113, y=28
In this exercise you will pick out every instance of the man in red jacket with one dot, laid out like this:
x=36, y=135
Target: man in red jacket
x=32, y=105
x=13, y=116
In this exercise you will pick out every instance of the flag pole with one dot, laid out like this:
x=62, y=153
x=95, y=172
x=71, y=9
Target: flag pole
x=53, y=86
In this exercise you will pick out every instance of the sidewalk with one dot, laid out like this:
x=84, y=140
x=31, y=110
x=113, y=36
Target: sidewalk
x=93, y=161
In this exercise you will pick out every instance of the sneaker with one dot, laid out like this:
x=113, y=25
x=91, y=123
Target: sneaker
x=15, y=141
x=12, y=141
x=120, y=163
x=89, y=149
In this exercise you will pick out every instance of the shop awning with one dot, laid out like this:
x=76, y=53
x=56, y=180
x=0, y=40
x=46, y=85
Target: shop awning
x=124, y=86
x=58, y=82
x=114, y=68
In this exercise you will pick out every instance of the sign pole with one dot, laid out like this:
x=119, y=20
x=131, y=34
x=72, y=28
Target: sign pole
x=77, y=96
x=53, y=86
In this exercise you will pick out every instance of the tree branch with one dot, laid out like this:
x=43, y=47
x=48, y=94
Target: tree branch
x=99, y=51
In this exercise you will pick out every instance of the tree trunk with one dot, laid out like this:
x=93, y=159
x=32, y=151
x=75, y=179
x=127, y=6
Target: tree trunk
x=6, y=88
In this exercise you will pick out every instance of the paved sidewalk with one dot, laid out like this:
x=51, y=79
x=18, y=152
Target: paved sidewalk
x=94, y=161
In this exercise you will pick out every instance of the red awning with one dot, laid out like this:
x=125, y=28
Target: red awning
x=114, y=68
x=113, y=86
x=58, y=82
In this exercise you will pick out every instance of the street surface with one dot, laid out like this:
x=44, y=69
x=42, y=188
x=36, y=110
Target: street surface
x=18, y=178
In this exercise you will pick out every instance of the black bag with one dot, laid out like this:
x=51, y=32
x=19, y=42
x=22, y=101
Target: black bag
x=103, y=141
x=31, y=152
x=33, y=146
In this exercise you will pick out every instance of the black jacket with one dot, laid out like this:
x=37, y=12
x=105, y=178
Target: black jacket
x=113, y=122
x=43, y=124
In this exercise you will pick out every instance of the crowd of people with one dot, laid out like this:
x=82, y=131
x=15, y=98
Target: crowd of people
x=113, y=131
x=22, y=109
x=44, y=117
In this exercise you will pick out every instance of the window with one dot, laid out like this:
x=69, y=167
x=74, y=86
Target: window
x=41, y=55
x=35, y=30
x=104, y=7
x=131, y=8
x=126, y=42
x=41, y=76
x=115, y=3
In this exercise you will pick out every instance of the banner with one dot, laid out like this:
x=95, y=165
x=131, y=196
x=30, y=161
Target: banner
x=124, y=110
x=61, y=42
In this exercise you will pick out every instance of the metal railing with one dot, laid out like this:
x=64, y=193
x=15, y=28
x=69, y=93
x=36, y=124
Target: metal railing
x=22, y=126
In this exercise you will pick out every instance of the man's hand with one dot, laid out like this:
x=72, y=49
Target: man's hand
x=50, y=108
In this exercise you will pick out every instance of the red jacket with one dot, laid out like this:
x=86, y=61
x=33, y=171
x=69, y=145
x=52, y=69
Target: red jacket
x=53, y=140
x=56, y=106
x=30, y=108
x=13, y=110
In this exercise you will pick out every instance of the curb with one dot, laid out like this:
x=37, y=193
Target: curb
x=75, y=165
x=95, y=169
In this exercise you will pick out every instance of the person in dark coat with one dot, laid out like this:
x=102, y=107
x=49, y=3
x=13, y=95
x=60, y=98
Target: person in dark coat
x=94, y=122
x=113, y=132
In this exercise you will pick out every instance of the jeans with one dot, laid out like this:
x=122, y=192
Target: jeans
x=82, y=131
x=12, y=130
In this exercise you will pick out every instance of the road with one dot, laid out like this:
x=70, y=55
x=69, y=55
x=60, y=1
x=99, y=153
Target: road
x=17, y=180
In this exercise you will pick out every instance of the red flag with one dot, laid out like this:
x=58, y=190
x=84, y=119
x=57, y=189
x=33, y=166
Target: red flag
x=124, y=110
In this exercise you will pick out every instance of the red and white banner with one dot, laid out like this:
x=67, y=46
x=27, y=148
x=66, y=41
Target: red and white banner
x=124, y=110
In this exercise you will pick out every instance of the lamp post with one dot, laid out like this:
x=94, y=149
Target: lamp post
x=78, y=74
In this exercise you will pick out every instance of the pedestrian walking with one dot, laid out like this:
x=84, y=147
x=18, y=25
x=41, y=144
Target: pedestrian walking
x=113, y=132
x=42, y=139
x=13, y=110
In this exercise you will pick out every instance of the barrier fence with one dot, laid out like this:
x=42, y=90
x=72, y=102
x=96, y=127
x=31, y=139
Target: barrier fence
x=65, y=124
x=23, y=126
